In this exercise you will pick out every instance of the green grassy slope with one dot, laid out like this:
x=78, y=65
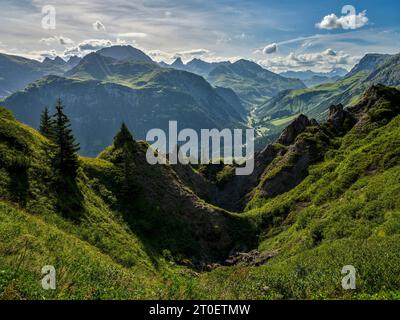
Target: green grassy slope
x=345, y=212
x=313, y=102
x=253, y=84
x=109, y=249
x=17, y=72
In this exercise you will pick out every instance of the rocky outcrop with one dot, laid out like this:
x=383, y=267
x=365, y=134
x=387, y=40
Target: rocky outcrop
x=282, y=166
x=340, y=119
x=235, y=194
x=375, y=97
x=298, y=126
x=252, y=258
x=290, y=170
x=232, y=195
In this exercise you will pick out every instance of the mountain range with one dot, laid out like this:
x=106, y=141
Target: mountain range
x=17, y=72
x=122, y=83
x=372, y=69
x=142, y=94
x=252, y=83
x=312, y=79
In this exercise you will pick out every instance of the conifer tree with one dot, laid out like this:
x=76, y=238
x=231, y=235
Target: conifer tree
x=46, y=127
x=124, y=143
x=65, y=159
x=123, y=137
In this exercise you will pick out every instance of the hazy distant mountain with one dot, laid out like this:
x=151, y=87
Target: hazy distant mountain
x=178, y=64
x=372, y=69
x=311, y=78
x=57, y=61
x=251, y=82
x=369, y=62
x=204, y=68
x=17, y=72
x=99, y=67
x=308, y=74
x=230, y=96
x=163, y=64
x=196, y=66
x=124, y=53
x=317, y=80
x=73, y=62
x=387, y=73
x=106, y=92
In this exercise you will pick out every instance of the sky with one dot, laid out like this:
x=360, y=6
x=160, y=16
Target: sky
x=280, y=35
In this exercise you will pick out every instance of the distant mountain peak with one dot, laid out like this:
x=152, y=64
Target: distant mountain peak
x=163, y=64
x=74, y=58
x=59, y=60
x=196, y=60
x=369, y=62
x=245, y=62
x=124, y=52
x=56, y=61
x=178, y=63
x=249, y=65
x=197, y=63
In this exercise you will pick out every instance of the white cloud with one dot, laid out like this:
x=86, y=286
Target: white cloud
x=193, y=52
x=317, y=61
x=350, y=21
x=188, y=55
x=159, y=55
x=240, y=36
x=203, y=54
x=271, y=48
x=132, y=35
x=98, y=26
x=64, y=41
x=94, y=44
x=35, y=55
x=90, y=45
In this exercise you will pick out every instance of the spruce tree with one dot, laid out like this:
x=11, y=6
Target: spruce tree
x=123, y=137
x=46, y=127
x=65, y=159
x=124, y=145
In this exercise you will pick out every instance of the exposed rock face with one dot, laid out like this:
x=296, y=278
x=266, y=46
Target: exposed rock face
x=232, y=195
x=340, y=118
x=252, y=258
x=369, y=62
x=374, y=96
x=336, y=113
x=280, y=167
x=294, y=129
x=235, y=194
x=293, y=169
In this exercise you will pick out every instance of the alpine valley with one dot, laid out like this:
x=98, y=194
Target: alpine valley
x=324, y=193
